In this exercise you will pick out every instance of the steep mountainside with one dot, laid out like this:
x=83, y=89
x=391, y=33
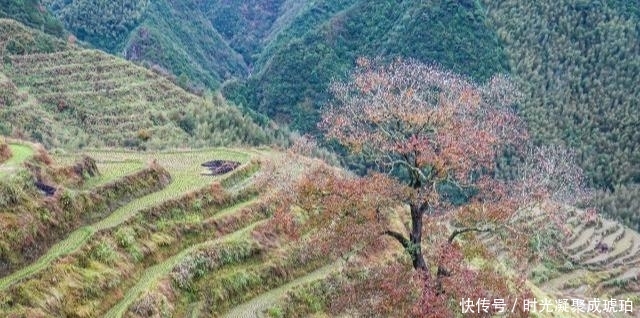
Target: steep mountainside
x=15, y=38
x=203, y=42
x=320, y=43
x=578, y=65
x=74, y=98
x=105, y=24
x=288, y=50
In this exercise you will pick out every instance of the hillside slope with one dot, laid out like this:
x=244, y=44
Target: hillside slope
x=311, y=45
x=576, y=63
x=204, y=42
x=289, y=50
x=578, y=66
x=183, y=242
x=129, y=194
x=15, y=38
x=73, y=98
x=152, y=252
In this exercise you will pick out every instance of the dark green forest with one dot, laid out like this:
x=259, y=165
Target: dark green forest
x=578, y=65
x=31, y=13
x=321, y=45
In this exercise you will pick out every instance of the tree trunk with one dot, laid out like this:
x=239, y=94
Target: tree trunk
x=415, y=237
x=413, y=245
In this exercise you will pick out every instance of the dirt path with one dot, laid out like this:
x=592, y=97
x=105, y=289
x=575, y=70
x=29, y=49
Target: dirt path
x=255, y=307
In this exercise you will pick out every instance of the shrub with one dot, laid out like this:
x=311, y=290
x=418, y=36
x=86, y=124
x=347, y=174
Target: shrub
x=103, y=252
x=126, y=237
x=144, y=134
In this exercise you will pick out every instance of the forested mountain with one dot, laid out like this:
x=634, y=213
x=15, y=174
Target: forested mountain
x=31, y=13
x=578, y=65
x=284, y=53
x=202, y=42
x=322, y=42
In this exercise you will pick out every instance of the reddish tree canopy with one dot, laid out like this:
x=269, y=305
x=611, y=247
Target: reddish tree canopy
x=422, y=118
x=427, y=127
x=434, y=125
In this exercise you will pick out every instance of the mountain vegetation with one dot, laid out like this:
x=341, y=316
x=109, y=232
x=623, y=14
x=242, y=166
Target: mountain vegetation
x=175, y=35
x=86, y=98
x=5, y=150
x=105, y=24
x=292, y=75
x=288, y=50
x=279, y=57
x=33, y=14
x=15, y=38
x=466, y=117
x=577, y=65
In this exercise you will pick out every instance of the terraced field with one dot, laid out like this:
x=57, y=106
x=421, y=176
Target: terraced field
x=257, y=306
x=604, y=260
x=191, y=248
x=80, y=98
x=197, y=231
x=600, y=259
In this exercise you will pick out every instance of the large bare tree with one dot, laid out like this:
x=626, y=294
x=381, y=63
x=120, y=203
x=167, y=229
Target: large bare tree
x=434, y=126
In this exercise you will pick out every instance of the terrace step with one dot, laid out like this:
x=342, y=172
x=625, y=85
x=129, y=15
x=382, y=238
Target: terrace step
x=581, y=242
x=127, y=74
x=62, y=70
x=76, y=239
x=61, y=56
x=73, y=241
x=618, y=251
x=257, y=305
x=160, y=270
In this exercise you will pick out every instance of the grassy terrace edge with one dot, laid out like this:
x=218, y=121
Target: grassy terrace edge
x=174, y=190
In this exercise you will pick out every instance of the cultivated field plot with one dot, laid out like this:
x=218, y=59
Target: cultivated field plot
x=158, y=252
x=185, y=166
x=603, y=260
x=86, y=98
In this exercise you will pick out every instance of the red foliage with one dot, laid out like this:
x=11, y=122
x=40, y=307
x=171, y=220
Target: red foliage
x=436, y=127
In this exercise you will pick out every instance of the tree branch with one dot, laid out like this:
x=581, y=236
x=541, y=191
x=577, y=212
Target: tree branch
x=465, y=230
x=403, y=240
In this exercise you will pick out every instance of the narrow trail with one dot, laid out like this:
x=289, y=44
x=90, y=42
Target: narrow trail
x=67, y=246
x=255, y=307
x=180, y=185
x=152, y=274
